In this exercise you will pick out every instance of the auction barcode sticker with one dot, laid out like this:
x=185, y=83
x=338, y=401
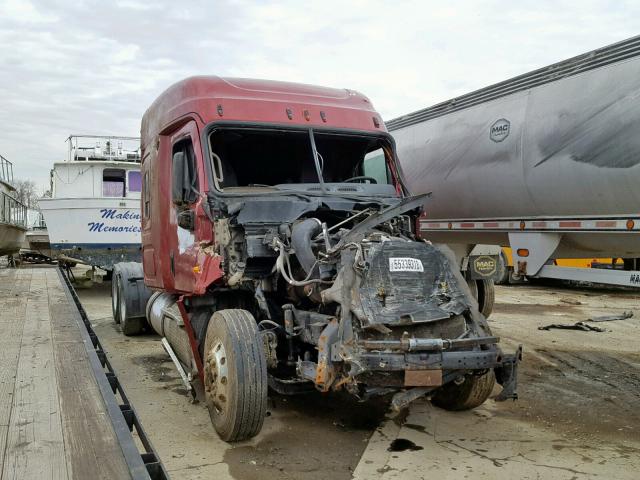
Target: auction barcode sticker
x=405, y=264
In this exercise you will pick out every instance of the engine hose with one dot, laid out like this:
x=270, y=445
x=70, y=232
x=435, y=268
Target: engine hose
x=301, y=235
x=280, y=265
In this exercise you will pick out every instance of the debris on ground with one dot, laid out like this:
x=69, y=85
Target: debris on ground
x=582, y=326
x=611, y=318
x=570, y=301
x=402, y=444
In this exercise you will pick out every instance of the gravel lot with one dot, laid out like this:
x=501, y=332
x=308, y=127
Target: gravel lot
x=577, y=416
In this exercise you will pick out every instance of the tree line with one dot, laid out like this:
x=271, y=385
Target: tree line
x=28, y=194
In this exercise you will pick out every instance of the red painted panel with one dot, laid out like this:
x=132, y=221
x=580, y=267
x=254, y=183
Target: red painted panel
x=606, y=224
x=570, y=224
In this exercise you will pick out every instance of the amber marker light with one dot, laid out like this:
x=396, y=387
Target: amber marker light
x=523, y=252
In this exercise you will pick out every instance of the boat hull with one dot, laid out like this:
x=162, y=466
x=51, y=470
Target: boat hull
x=37, y=242
x=97, y=231
x=11, y=238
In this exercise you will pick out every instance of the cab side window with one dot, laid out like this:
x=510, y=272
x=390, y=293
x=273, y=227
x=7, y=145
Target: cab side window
x=184, y=174
x=375, y=165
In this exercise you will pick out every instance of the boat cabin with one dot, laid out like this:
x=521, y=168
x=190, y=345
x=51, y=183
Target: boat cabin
x=108, y=168
x=12, y=211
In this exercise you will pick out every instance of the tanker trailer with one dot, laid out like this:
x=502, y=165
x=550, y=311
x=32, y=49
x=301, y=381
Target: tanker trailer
x=546, y=163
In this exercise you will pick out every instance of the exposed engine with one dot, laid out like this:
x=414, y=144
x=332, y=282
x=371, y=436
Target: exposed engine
x=354, y=301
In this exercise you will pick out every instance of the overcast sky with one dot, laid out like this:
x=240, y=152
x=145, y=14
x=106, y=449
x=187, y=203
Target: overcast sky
x=93, y=67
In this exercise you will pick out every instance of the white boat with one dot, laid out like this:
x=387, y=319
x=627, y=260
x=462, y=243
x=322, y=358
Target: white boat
x=35, y=247
x=93, y=215
x=13, y=214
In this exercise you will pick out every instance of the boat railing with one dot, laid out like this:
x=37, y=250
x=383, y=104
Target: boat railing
x=12, y=211
x=104, y=147
x=6, y=171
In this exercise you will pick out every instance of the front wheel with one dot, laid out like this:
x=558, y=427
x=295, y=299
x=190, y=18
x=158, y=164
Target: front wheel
x=235, y=375
x=471, y=393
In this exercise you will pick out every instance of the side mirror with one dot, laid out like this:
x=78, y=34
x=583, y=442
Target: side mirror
x=177, y=175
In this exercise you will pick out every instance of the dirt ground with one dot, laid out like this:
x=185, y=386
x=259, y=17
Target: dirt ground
x=577, y=416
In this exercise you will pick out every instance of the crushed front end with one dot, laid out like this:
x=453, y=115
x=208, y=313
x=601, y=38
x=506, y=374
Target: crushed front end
x=320, y=248
x=372, y=310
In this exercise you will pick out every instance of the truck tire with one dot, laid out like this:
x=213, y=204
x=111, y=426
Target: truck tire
x=486, y=296
x=235, y=375
x=503, y=270
x=132, y=297
x=115, y=295
x=129, y=325
x=471, y=393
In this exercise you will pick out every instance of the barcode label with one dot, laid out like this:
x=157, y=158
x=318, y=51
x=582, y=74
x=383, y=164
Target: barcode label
x=405, y=264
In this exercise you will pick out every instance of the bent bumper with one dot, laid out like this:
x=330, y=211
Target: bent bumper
x=427, y=371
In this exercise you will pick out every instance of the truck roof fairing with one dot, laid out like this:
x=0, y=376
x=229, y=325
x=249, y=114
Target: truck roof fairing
x=211, y=98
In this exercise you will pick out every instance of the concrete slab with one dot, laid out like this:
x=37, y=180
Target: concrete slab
x=577, y=417
x=482, y=444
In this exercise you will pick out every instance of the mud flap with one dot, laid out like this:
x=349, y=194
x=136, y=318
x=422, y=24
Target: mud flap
x=507, y=376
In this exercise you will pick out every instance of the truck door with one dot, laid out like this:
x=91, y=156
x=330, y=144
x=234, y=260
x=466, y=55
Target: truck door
x=187, y=183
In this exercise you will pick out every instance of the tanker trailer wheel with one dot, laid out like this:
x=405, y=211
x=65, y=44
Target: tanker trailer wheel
x=503, y=269
x=471, y=393
x=235, y=375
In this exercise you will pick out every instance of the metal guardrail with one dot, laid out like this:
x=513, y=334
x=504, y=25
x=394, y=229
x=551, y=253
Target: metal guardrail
x=12, y=211
x=143, y=465
x=6, y=170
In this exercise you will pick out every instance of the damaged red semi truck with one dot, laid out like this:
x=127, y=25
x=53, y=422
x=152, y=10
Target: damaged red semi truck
x=280, y=251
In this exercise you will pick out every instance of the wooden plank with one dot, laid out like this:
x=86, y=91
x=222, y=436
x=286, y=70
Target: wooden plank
x=53, y=420
x=88, y=432
x=13, y=306
x=35, y=445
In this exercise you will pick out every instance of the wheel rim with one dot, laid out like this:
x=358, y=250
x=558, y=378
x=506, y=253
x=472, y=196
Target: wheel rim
x=217, y=378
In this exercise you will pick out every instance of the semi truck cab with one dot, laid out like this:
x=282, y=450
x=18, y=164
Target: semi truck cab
x=279, y=251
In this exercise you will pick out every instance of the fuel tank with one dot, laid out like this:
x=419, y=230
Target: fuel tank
x=563, y=140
